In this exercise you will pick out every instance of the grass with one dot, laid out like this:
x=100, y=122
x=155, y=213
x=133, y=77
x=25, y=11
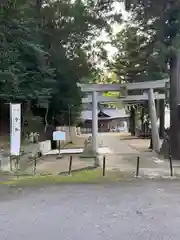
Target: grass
x=88, y=176
x=82, y=177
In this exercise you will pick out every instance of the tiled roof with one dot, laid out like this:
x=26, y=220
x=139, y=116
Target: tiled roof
x=111, y=112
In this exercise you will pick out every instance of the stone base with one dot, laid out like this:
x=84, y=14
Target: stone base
x=165, y=148
x=164, y=151
x=45, y=146
x=88, y=153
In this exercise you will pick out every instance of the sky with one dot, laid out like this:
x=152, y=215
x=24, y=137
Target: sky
x=116, y=28
x=111, y=51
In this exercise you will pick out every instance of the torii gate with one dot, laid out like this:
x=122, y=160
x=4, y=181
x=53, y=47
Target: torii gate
x=147, y=87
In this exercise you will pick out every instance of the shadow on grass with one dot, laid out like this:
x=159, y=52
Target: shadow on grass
x=79, y=170
x=133, y=138
x=86, y=176
x=93, y=176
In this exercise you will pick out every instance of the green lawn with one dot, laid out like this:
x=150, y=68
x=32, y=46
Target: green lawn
x=86, y=176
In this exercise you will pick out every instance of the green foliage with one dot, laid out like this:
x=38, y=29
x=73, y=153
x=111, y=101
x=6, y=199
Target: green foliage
x=161, y=17
x=23, y=72
x=136, y=59
x=45, y=51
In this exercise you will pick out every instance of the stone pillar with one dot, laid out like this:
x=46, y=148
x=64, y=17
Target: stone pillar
x=162, y=118
x=94, y=123
x=153, y=117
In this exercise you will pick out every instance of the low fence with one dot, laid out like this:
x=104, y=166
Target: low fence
x=15, y=166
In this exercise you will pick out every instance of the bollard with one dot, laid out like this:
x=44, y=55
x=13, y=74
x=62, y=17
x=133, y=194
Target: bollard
x=104, y=166
x=70, y=165
x=1, y=156
x=34, y=168
x=17, y=163
x=0, y=162
x=17, y=167
x=170, y=165
x=10, y=161
x=137, y=167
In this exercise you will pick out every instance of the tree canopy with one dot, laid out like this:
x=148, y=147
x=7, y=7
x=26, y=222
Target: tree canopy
x=138, y=57
x=46, y=50
x=163, y=18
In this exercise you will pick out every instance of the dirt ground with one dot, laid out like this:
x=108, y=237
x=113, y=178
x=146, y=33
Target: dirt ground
x=124, y=151
x=4, y=141
x=54, y=165
x=136, y=143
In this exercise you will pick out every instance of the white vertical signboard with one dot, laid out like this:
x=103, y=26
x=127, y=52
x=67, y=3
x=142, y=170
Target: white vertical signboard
x=15, y=121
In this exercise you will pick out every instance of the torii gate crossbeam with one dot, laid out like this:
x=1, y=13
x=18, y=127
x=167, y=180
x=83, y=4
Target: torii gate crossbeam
x=149, y=86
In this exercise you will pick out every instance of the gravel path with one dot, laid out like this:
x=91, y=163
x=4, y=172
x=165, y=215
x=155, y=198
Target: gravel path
x=138, y=210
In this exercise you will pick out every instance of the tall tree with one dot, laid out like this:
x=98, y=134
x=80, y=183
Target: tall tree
x=135, y=60
x=45, y=50
x=165, y=21
x=23, y=72
x=68, y=30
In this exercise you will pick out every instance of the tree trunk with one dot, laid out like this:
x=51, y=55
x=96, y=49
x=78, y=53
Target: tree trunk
x=45, y=118
x=25, y=108
x=132, y=121
x=174, y=101
x=38, y=6
x=161, y=118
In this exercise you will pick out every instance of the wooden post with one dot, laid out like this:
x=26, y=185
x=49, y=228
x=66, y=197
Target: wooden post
x=10, y=161
x=34, y=167
x=18, y=163
x=59, y=148
x=170, y=165
x=1, y=156
x=137, y=167
x=104, y=166
x=70, y=165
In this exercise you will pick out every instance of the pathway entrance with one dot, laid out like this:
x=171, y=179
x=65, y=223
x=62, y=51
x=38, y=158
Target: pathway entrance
x=123, y=156
x=116, y=145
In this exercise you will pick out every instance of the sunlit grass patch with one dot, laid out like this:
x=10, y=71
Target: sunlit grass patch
x=89, y=176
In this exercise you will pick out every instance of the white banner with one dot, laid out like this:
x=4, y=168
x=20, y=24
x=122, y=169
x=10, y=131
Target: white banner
x=15, y=122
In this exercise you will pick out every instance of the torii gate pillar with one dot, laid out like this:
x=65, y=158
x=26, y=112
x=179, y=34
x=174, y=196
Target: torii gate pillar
x=94, y=122
x=153, y=117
